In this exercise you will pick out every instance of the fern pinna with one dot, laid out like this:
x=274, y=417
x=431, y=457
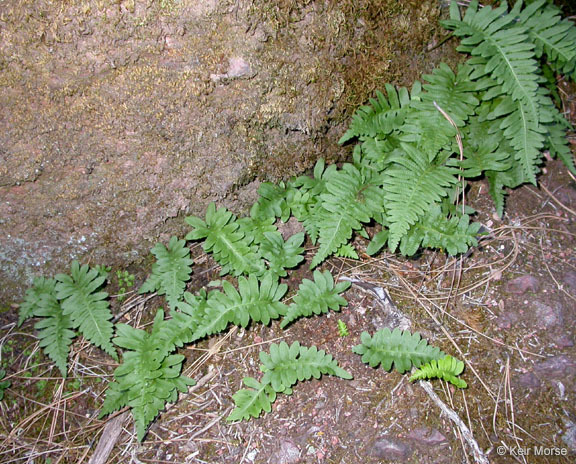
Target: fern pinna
x=282, y=368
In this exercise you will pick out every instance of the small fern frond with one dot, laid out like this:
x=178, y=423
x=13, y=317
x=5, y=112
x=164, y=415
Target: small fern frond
x=280, y=254
x=496, y=37
x=484, y=150
x=286, y=365
x=399, y=348
x=283, y=368
x=553, y=36
x=251, y=402
x=170, y=272
x=350, y=200
x=454, y=93
x=381, y=117
x=227, y=243
x=521, y=127
x=87, y=307
x=557, y=142
x=411, y=186
x=33, y=297
x=347, y=251
x=148, y=377
x=435, y=230
x=256, y=300
x=254, y=228
x=447, y=368
x=316, y=297
x=54, y=331
x=272, y=202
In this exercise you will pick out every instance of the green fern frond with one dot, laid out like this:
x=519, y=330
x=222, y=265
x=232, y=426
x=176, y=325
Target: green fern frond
x=316, y=297
x=484, y=150
x=283, y=368
x=411, y=186
x=33, y=297
x=435, y=230
x=347, y=251
x=454, y=93
x=170, y=272
x=254, y=228
x=521, y=126
x=148, y=378
x=256, y=300
x=447, y=368
x=87, y=307
x=272, y=202
x=381, y=117
x=350, y=200
x=399, y=348
x=54, y=330
x=496, y=37
x=286, y=365
x=553, y=36
x=280, y=254
x=251, y=402
x=557, y=142
x=227, y=243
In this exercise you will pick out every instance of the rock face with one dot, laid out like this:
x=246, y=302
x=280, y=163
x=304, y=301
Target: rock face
x=118, y=116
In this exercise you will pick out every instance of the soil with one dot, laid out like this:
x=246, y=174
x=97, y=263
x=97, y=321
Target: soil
x=507, y=309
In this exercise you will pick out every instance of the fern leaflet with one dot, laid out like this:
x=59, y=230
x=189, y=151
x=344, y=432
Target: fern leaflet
x=280, y=254
x=87, y=307
x=224, y=239
x=170, y=272
x=256, y=300
x=411, y=186
x=54, y=331
x=553, y=36
x=148, y=378
x=31, y=304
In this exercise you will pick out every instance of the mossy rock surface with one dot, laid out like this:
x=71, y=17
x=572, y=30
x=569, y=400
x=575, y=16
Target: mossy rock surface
x=121, y=117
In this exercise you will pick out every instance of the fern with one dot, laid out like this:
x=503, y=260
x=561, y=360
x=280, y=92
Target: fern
x=446, y=368
x=412, y=185
x=280, y=254
x=256, y=300
x=170, y=272
x=316, y=297
x=350, y=199
x=502, y=49
x=434, y=230
x=54, y=331
x=87, y=306
x=553, y=36
x=399, y=348
x=31, y=304
x=224, y=239
x=283, y=368
x=149, y=376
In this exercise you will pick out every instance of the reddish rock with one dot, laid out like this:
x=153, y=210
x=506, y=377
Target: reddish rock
x=522, y=284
